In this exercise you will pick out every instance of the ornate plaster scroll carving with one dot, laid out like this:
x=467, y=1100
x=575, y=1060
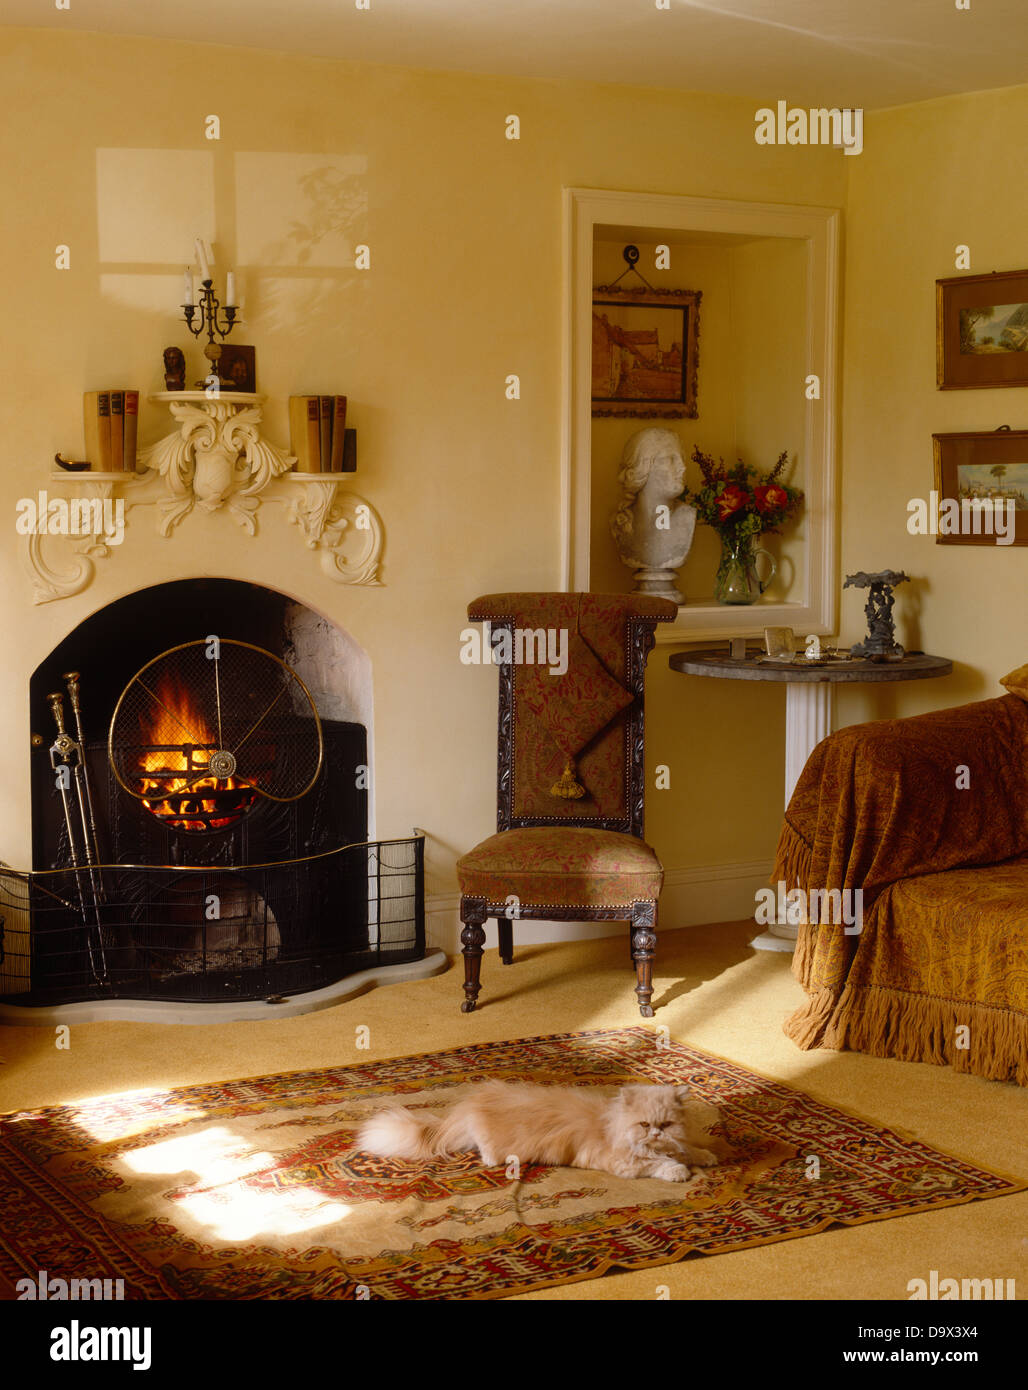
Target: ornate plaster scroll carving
x=346, y=530
x=216, y=458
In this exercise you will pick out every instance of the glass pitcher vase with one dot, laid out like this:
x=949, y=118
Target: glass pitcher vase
x=737, y=578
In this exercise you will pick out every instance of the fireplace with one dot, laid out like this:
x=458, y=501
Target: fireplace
x=228, y=797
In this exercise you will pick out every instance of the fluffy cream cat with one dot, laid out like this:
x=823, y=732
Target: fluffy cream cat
x=642, y=1132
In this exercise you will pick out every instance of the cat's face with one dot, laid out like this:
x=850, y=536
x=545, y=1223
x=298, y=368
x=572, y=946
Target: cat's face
x=654, y=1121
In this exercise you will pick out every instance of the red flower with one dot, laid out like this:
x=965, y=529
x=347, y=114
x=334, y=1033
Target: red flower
x=770, y=498
x=729, y=500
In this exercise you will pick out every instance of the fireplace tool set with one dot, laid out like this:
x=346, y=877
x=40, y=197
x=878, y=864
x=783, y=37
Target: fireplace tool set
x=69, y=764
x=198, y=767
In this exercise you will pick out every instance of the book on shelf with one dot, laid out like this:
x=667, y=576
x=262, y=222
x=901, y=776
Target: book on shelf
x=110, y=421
x=117, y=431
x=318, y=434
x=325, y=408
x=131, y=427
x=338, y=432
x=349, y=464
x=96, y=411
x=305, y=432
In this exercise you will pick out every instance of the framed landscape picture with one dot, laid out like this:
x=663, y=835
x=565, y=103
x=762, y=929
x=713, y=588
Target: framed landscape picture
x=982, y=330
x=980, y=470
x=644, y=353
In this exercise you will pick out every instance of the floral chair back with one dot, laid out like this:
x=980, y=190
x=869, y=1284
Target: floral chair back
x=571, y=705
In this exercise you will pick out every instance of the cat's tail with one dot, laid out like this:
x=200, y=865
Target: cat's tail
x=399, y=1133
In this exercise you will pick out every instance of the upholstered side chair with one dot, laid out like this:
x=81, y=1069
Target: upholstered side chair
x=569, y=845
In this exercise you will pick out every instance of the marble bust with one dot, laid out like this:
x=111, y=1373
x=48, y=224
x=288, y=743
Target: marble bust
x=652, y=528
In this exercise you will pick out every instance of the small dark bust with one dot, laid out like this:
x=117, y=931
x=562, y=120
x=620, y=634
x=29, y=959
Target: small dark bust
x=174, y=369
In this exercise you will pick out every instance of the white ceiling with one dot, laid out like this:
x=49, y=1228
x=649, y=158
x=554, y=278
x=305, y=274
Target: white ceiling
x=868, y=53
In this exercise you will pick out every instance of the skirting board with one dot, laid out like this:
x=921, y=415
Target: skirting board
x=691, y=897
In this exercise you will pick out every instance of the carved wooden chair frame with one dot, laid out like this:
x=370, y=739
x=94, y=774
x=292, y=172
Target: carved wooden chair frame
x=642, y=914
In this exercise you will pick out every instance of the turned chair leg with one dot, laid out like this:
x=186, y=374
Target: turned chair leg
x=644, y=946
x=473, y=915
x=505, y=931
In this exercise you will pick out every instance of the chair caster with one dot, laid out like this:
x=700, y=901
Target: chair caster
x=468, y=1006
x=646, y=1010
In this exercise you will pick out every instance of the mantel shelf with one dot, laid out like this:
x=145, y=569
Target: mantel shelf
x=214, y=460
x=701, y=620
x=205, y=397
x=295, y=476
x=94, y=475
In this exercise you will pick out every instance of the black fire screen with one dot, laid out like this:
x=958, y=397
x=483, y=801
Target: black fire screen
x=213, y=846
x=203, y=932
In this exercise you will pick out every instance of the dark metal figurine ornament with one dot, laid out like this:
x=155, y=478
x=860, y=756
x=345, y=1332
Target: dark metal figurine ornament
x=174, y=369
x=880, y=643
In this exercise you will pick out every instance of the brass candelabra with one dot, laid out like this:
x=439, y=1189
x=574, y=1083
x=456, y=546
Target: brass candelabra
x=218, y=320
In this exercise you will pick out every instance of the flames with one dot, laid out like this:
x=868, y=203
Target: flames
x=179, y=742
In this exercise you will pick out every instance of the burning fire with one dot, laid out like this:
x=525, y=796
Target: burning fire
x=180, y=743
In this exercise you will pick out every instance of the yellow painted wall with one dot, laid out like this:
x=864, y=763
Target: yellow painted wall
x=931, y=177
x=465, y=287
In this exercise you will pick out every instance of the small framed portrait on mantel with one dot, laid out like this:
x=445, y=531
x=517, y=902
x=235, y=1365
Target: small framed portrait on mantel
x=644, y=359
x=237, y=367
x=981, y=484
x=982, y=330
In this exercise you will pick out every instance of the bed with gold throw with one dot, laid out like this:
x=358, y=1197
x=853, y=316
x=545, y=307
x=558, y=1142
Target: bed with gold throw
x=928, y=816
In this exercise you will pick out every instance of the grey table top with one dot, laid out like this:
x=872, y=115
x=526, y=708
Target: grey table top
x=912, y=667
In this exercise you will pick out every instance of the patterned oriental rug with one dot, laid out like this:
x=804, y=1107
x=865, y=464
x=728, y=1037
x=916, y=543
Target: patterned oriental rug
x=252, y=1189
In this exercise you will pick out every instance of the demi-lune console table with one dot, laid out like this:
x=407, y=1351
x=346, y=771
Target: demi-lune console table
x=808, y=710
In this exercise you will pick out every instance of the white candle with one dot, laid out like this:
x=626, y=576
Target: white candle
x=201, y=256
x=230, y=288
x=187, y=288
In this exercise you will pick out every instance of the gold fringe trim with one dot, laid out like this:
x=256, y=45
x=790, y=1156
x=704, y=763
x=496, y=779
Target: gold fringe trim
x=792, y=859
x=792, y=867
x=915, y=1028
x=566, y=785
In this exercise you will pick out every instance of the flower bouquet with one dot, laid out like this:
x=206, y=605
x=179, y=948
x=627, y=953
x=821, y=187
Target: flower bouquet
x=741, y=503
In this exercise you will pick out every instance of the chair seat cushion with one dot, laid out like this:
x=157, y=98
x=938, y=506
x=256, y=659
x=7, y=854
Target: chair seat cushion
x=567, y=866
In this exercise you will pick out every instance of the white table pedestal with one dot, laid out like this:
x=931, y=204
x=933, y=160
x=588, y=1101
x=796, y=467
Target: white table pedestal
x=809, y=714
x=809, y=709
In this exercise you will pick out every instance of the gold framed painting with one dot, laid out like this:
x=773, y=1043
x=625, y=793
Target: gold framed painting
x=982, y=330
x=645, y=353
x=981, y=482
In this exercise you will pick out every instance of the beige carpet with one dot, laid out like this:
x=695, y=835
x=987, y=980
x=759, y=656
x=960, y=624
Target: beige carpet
x=711, y=991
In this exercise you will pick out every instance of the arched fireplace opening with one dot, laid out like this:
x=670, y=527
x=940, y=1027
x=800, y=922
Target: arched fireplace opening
x=201, y=875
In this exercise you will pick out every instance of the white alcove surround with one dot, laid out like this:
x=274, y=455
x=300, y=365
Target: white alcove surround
x=586, y=212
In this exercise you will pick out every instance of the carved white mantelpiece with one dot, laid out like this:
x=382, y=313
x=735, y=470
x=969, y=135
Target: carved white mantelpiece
x=215, y=459
x=52, y=581
x=345, y=530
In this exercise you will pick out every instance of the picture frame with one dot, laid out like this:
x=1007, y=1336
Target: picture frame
x=982, y=331
x=981, y=464
x=237, y=367
x=645, y=353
